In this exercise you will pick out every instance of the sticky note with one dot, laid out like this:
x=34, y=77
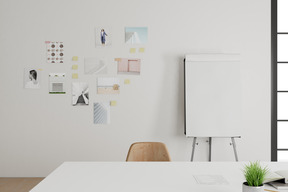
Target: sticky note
x=127, y=81
x=113, y=103
x=132, y=50
x=75, y=76
x=141, y=50
x=75, y=58
x=117, y=59
x=40, y=69
x=75, y=67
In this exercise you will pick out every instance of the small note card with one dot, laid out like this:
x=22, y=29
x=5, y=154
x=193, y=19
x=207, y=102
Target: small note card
x=75, y=76
x=75, y=58
x=113, y=103
x=132, y=50
x=74, y=67
x=127, y=81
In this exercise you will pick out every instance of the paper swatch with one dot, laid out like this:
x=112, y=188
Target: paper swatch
x=126, y=81
x=74, y=67
x=211, y=180
x=108, y=85
x=101, y=113
x=113, y=103
x=57, y=83
x=75, y=58
x=80, y=93
x=95, y=66
x=75, y=76
x=129, y=66
x=141, y=50
x=55, y=52
x=132, y=50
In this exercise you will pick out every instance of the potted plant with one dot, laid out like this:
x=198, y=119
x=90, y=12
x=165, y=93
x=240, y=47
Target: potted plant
x=254, y=175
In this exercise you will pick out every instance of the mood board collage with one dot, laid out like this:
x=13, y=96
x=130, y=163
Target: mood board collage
x=109, y=85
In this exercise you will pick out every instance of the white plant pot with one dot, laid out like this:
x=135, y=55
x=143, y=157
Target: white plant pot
x=247, y=188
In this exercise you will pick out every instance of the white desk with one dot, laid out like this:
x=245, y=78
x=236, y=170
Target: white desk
x=145, y=176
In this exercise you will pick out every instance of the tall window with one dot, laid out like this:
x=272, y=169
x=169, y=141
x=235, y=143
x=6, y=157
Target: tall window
x=279, y=42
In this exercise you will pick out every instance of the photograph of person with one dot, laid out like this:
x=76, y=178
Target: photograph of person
x=31, y=78
x=103, y=37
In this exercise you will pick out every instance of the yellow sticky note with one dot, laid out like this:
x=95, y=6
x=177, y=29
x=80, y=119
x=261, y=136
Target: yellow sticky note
x=117, y=59
x=75, y=67
x=141, y=50
x=40, y=69
x=75, y=76
x=127, y=81
x=113, y=103
x=75, y=58
x=132, y=50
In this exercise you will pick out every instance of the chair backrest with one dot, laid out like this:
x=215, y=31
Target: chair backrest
x=148, y=151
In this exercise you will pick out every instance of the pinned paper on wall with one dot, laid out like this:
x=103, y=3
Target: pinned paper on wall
x=136, y=35
x=101, y=113
x=75, y=76
x=132, y=50
x=74, y=67
x=108, y=85
x=55, y=52
x=80, y=93
x=126, y=81
x=32, y=78
x=129, y=66
x=103, y=36
x=57, y=83
x=113, y=103
x=141, y=50
x=75, y=58
x=95, y=66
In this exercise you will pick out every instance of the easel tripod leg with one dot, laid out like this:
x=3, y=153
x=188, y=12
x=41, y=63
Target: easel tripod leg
x=210, y=147
x=234, y=147
x=193, y=147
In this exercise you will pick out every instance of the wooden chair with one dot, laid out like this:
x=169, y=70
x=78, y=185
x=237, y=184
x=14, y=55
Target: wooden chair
x=148, y=151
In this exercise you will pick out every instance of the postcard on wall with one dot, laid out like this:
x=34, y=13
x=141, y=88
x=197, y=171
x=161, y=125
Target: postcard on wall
x=80, y=93
x=108, y=85
x=101, y=113
x=55, y=51
x=57, y=83
x=95, y=66
x=128, y=66
x=103, y=36
x=136, y=35
x=32, y=78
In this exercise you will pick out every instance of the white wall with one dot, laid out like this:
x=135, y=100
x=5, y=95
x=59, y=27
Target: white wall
x=39, y=131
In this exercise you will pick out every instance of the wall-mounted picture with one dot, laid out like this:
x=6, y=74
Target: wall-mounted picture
x=108, y=85
x=136, y=35
x=32, y=78
x=95, y=66
x=55, y=52
x=80, y=93
x=57, y=83
x=101, y=113
x=103, y=36
x=128, y=66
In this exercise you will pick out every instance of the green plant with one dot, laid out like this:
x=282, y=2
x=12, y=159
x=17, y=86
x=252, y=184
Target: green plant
x=255, y=174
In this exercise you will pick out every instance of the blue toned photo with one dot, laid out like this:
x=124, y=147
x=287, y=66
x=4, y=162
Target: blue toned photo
x=136, y=35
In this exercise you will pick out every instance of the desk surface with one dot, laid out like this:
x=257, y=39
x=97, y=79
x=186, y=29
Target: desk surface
x=145, y=176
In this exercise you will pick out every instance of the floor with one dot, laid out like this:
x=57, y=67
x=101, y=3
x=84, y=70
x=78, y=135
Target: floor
x=18, y=184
